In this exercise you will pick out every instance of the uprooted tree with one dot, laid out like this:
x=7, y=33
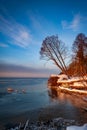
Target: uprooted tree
x=55, y=50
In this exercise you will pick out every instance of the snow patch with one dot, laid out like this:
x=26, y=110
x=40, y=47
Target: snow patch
x=84, y=127
x=62, y=77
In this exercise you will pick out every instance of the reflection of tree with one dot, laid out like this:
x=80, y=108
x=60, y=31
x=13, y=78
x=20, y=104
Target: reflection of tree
x=53, y=93
x=75, y=100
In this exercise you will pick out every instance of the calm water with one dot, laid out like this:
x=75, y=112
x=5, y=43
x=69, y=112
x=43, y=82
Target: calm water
x=32, y=93
x=29, y=93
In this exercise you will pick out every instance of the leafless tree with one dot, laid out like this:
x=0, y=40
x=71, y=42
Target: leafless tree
x=55, y=50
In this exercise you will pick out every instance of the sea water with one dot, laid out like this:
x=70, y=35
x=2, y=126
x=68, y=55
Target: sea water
x=27, y=94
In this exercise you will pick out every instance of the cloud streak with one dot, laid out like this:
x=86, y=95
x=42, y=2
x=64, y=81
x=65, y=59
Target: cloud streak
x=7, y=70
x=17, y=33
x=74, y=24
x=3, y=45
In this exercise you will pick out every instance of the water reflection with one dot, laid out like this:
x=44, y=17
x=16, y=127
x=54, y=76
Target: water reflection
x=67, y=99
x=68, y=106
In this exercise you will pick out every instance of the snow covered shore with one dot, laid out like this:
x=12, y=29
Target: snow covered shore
x=65, y=84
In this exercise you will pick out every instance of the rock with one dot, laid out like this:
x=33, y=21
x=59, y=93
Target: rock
x=54, y=124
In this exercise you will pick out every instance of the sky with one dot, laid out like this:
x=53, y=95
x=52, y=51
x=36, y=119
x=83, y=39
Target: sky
x=24, y=24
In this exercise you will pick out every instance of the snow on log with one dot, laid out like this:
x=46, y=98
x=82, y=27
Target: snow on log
x=73, y=90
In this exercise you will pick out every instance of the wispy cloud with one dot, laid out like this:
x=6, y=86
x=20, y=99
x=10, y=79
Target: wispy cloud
x=17, y=34
x=3, y=45
x=19, y=70
x=39, y=23
x=36, y=22
x=74, y=24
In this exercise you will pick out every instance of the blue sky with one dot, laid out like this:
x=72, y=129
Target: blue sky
x=24, y=24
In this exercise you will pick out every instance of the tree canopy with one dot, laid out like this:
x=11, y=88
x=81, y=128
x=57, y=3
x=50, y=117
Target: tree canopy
x=55, y=50
x=79, y=60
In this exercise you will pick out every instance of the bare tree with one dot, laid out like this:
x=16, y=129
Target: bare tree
x=53, y=49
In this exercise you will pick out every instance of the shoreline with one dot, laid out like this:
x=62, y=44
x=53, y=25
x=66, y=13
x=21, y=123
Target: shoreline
x=45, y=114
